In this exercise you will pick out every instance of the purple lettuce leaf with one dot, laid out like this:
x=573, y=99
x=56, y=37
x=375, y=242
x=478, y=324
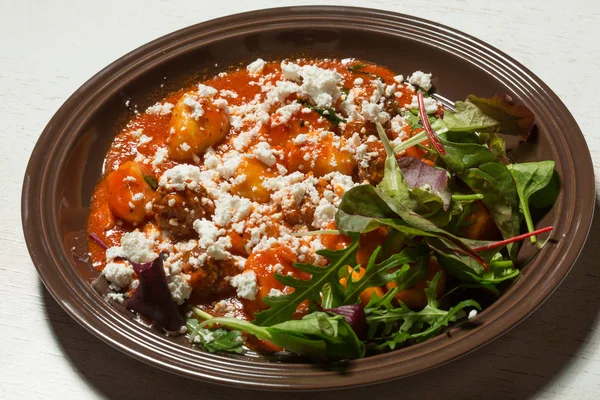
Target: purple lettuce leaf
x=355, y=316
x=152, y=297
x=418, y=175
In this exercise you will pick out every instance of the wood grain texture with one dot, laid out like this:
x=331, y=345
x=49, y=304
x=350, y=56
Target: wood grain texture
x=48, y=49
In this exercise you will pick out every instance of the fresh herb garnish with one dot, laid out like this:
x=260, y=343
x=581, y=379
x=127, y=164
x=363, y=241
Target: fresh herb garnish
x=328, y=113
x=151, y=181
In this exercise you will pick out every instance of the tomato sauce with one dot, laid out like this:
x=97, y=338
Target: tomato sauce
x=147, y=133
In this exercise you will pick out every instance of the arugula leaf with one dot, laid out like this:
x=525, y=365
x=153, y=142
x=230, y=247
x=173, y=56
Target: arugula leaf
x=412, y=325
x=215, y=340
x=378, y=274
x=530, y=178
x=283, y=307
x=318, y=335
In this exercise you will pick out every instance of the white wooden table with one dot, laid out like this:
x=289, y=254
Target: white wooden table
x=48, y=49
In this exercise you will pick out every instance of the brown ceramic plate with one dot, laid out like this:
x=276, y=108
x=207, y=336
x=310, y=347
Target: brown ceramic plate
x=67, y=161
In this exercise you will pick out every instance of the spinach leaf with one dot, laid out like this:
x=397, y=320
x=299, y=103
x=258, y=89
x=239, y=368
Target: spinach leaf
x=530, y=178
x=467, y=117
x=481, y=170
x=546, y=197
x=497, y=114
x=513, y=119
x=462, y=267
x=366, y=208
x=283, y=307
x=318, y=335
x=358, y=208
x=378, y=274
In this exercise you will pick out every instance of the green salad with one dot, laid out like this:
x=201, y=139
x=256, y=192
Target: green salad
x=423, y=208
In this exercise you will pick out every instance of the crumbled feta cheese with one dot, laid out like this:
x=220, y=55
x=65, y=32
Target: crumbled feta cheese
x=231, y=209
x=184, y=146
x=135, y=247
x=420, y=79
x=263, y=152
x=430, y=104
x=324, y=214
x=144, y=139
x=160, y=156
x=399, y=79
x=245, y=284
x=179, y=288
x=137, y=197
x=195, y=107
x=206, y=91
x=212, y=239
x=472, y=314
x=275, y=292
x=160, y=109
x=318, y=84
x=300, y=139
x=116, y=297
x=179, y=176
x=118, y=274
x=256, y=67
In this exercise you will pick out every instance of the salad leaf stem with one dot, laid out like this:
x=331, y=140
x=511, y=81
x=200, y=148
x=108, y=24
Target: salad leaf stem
x=502, y=264
x=432, y=136
x=467, y=197
x=316, y=233
x=416, y=139
x=97, y=239
x=513, y=239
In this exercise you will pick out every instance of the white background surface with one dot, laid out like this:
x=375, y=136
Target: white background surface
x=48, y=49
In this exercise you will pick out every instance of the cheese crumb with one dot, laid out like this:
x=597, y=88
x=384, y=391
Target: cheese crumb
x=135, y=247
x=179, y=288
x=420, y=79
x=160, y=109
x=256, y=67
x=245, y=284
x=118, y=274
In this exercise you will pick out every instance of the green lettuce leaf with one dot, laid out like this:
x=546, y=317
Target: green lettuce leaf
x=530, y=178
